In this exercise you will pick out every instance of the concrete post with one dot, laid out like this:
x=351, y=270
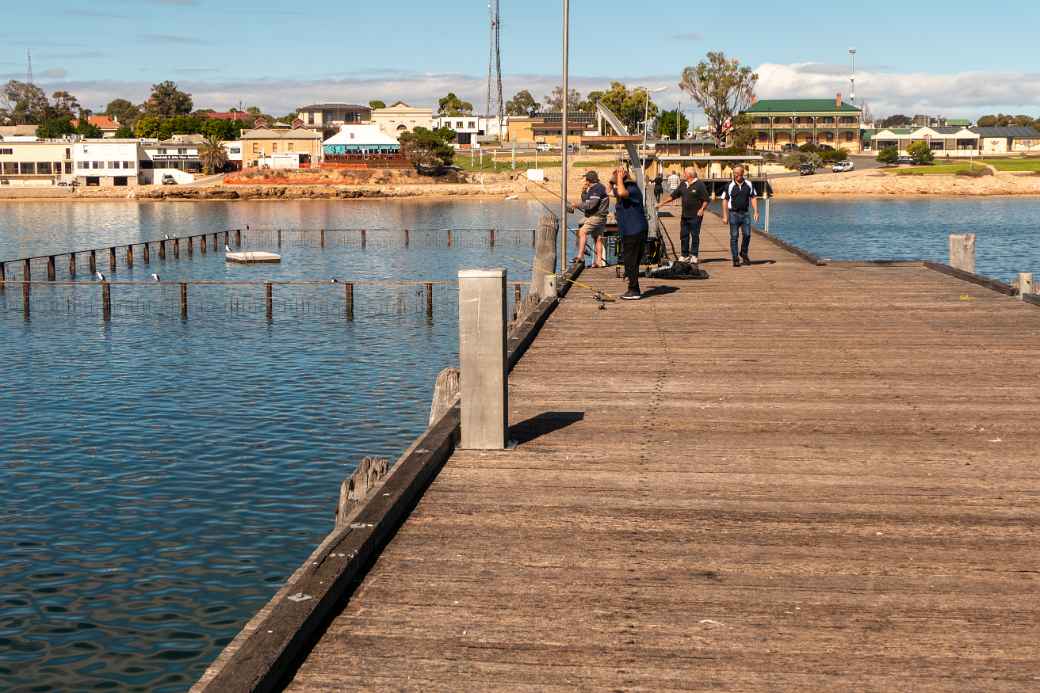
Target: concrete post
x=962, y=252
x=482, y=359
x=766, y=204
x=1025, y=285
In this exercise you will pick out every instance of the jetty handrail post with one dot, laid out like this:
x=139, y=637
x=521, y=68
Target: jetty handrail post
x=543, y=270
x=162, y=249
x=348, y=300
x=202, y=243
x=146, y=253
x=27, y=270
x=177, y=248
x=429, y=300
x=565, y=107
x=184, y=301
x=112, y=259
x=93, y=261
x=130, y=256
x=269, y=300
x=482, y=359
x=72, y=265
x=51, y=269
x=962, y=252
x=106, y=301
x=1025, y=285
x=216, y=241
x=25, y=298
x=449, y=238
x=191, y=246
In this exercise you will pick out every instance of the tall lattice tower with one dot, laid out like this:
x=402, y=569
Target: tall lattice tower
x=493, y=105
x=28, y=66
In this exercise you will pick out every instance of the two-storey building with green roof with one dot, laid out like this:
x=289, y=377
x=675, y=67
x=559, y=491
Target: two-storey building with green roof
x=783, y=123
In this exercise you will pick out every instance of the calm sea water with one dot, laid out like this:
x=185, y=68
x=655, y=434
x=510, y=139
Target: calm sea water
x=158, y=478
x=1008, y=230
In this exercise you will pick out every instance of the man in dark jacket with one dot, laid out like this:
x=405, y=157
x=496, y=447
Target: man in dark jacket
x=595, y=202
x=633, y=226
x=695, y=200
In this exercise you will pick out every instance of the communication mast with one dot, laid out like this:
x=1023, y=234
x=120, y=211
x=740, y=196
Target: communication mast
x=493, y=105
x=28, y=68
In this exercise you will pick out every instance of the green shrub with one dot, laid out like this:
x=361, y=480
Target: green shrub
x=921, y=153
x=888, y=155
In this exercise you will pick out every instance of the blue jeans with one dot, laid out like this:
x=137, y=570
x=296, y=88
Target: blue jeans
x=738, y=222
x=690, y=235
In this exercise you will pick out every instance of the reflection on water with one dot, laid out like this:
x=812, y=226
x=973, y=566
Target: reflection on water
x=158, y=478
x=913, y=229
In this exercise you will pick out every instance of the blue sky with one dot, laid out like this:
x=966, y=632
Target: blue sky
x=280, y=54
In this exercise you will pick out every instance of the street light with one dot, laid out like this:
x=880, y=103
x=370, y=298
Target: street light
x=646, y=122
x=563, y=139
x=852, y=79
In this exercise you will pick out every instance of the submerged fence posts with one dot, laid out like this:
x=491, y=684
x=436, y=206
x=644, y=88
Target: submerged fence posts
x=348, y=299
x=962, y=252
x=112, y=259
x=27, y=270
x=323, y=238
x=162, y=249
x=202, y=243
x=3, y=276
x=51, y=271
x=72, y=265
x=106, y=301
x=429, y=300
x=184, y=301
x=364, y=238
x=93, y=261
x=269, y=300
x=177, y=248
x=482, y=359
x=146, y=253
x=129, y=256
x=25, y=299
x=407, y=238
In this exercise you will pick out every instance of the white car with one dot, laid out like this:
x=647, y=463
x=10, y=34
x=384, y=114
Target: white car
x=543, y=147
x=843, y=166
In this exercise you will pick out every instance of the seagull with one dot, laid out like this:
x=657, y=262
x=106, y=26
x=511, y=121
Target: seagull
x=166, y=236
x=227, y=248
x=155, y=277
x=334, y=281
x=100, y=277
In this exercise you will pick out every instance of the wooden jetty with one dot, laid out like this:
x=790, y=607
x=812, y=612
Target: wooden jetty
x=791, y=476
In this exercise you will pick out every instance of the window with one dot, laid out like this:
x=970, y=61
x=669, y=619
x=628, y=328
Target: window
x=472, y=125
x=43, y=168
x=95, y=164
x=849, y=136
x=113, y=164
x=68, y=167
x=146, y=164
x=291, y=146
x=274, y=147
x=6, y=152
x=82, y=164
x=162, y=151
x=68, y=153
x=26, y=168
x=128, y=164
x=182, y=151
x=235, y=150
x=10, y=168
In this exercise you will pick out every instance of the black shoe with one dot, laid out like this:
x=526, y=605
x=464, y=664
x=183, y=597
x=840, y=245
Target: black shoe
x=746, y=259
x=736, y=262
x=631, y=295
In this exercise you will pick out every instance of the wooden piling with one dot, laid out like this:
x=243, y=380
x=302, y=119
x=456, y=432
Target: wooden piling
x=162, y=249
x=25, y=299
x=3, y=276
x=177, y=247
x=962, y=251
x=202, y=244
x=146, y=253
x=543, y=271
x=93, y=262
x=106, y=301
x=491, y=237
x=534, y=237
x=51, y=270
x=348, y=300
x=130, y=256
x=216, y=241
x=112, y=259
x=27, y=270
x=184, y=301
x=279, y=238
x=445, y=393
x=323, y=238
x=269, y=300
x=364, y=238
x=356, y=488
x=449, y=238
x=429, y=300
x=407, y=238
x=72, y=265
x=517, y=298
x=238, y=238
x=191, y=246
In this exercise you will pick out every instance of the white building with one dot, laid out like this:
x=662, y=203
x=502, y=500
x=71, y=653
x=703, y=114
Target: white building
x=359, y=141
x=1008, y=140
x=234, y=153
x=400, y=117
x=470, y=130
x=177, y=157
x=945, y=142
x=106, y=162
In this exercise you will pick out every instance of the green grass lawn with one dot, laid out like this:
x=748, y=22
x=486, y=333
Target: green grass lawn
x=1029, y=165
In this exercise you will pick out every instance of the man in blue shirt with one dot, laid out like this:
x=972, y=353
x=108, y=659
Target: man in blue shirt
x=739, y=197
x=631, y=219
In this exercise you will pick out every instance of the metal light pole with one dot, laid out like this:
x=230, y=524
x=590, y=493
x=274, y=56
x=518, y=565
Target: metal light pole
x=563, y=131
x=646, y=123
x=852, y=79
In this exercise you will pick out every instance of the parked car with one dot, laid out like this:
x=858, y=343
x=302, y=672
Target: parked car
x=905, y=160
x=807, y=170
x=168, y=179
x=543, y=147
x=843, y=166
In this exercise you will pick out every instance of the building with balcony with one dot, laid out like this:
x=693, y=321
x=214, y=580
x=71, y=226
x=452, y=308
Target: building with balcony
x=332, y=115
x=35, y=163
x=785, y=123
x=945, y=142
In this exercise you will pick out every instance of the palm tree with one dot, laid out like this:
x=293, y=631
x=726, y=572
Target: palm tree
x=213, y=155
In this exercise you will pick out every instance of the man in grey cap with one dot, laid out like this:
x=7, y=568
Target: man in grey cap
x=596, y=204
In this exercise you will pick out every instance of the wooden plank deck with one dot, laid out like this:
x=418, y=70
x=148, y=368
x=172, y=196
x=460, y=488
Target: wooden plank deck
x=786, y=477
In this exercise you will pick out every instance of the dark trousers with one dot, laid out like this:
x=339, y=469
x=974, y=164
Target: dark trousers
x=739, y=225
x=690, y=235
x=632, y=252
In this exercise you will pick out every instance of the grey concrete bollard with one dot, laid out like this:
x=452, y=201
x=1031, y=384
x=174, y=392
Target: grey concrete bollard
x=962, y=251
x=482, y=359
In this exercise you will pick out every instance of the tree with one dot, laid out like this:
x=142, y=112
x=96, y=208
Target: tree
x=25, y=104
x=87, y=129
x=897, y=121
x=888, y=156
x=588, y=104
x=212, y=155
x=629, y=106
x=554, y=101
x=254, y=110
x=124, y=112
x=223, y=130
x=428, y=149
x=125, y=132
x=376, y=103
x=921, y=153
x=722, y=88
x=148, y=126
x=167, y=100
x=65, y=104
x=666, y=125
x=451, y=105
x=742, y=135
x=522, y=104
x=54, y=128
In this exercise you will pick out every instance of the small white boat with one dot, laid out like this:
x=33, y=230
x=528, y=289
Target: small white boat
x=253, y=256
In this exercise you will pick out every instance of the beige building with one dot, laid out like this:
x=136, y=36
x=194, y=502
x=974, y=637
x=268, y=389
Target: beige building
x=945, y=142
x=332, y=115
x=781, y=124
x=1008, y=140
x=400, y=117
x=265, y=143
x=35, y=163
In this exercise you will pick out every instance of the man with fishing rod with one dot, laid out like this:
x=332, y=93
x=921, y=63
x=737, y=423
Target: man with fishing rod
x=595, y=203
